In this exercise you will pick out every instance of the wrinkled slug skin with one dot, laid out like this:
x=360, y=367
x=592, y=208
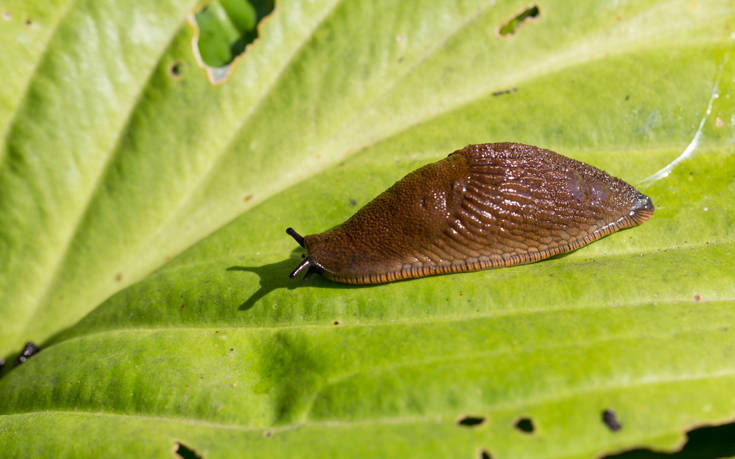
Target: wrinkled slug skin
x=484, y=206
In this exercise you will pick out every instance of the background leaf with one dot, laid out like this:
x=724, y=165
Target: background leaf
x=142, y=213
x=226, y=27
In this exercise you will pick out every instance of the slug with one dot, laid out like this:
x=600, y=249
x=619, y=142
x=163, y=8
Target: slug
x=484, y=206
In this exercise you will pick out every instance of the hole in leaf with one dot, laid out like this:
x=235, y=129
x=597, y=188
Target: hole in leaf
x=512, y=26
x=703, y=442
x=525, y=425
x=611, y=421
x=175, y=69
x=185, y=452
x=470, y=421
x=29, y=350
x=485, y=454
x=226, y=27
x=7, y=16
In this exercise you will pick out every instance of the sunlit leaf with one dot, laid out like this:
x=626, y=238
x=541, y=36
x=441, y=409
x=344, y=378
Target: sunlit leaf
x=142, y=243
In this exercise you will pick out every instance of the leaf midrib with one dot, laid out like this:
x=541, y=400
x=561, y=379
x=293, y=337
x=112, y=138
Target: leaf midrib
x=63, y=252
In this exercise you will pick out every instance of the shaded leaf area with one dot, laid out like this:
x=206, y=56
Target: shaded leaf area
x=227, y=26
x=219, y=351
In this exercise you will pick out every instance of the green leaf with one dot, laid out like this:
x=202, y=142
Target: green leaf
x=142, y=218
x=226, y=27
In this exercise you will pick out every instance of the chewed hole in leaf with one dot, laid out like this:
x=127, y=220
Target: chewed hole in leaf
x=710, y=441
x=175, y=69
x=610, y=420
x=185, y=452
x=470, y=421
x=525, y=425
x=512, y=25
x=226, y=27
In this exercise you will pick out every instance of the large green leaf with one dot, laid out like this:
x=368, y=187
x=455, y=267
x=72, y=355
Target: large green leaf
x=142, y=217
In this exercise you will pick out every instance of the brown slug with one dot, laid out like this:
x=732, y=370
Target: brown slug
x=484, y=206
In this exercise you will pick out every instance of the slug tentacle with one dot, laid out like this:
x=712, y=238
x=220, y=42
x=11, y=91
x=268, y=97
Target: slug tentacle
x=311, y=267
x=302, y=266
x=484, y=206
x=299, y=238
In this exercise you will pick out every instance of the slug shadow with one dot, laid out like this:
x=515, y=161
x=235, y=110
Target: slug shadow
x=274, y=276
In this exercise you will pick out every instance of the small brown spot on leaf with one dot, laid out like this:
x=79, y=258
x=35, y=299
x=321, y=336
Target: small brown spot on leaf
x=182, y=306
x=353, y=202
x=247, y=197
x=525, y=425
x=336, y=322
x=610, y=420
x=485, y=454
x=505, y=91
x=267, y=434
x=697, y=297
x=118, y=277
x=470, y=421
x=28, y=22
